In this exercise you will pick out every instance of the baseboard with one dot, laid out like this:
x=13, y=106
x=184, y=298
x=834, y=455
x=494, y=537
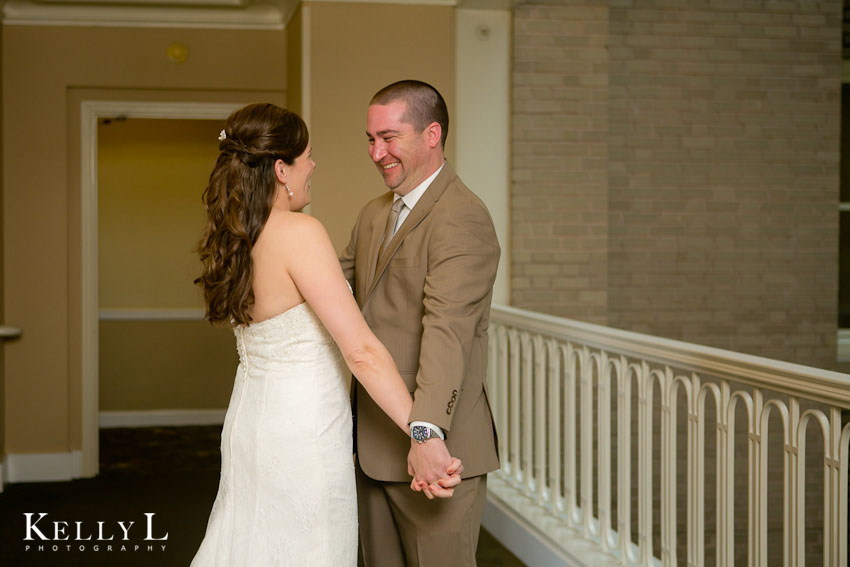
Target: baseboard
x=42, y=467
x=514, y=533
x=57, y=467
x=161, y=418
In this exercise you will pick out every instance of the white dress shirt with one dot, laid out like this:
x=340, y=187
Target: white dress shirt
x=412, y=198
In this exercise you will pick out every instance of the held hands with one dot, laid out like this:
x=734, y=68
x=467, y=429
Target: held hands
x=435, y=472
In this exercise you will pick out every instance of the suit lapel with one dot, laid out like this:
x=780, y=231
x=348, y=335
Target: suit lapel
x=378, y=226
x=419, y=212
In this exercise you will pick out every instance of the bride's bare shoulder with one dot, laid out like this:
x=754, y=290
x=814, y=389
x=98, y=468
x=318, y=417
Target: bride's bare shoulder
x=290, y=226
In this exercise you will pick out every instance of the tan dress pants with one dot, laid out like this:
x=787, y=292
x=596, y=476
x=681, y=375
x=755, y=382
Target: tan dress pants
x=402, y=528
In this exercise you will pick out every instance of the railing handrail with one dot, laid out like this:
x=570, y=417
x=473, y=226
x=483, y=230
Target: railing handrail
x=7, y=332
x=785, y=377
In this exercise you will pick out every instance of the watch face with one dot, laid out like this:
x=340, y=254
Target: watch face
x=419, y=432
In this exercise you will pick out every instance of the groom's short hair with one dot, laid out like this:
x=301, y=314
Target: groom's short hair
x=425, y=104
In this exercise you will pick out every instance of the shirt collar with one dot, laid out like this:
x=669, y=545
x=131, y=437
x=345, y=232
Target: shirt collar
x=413, y=197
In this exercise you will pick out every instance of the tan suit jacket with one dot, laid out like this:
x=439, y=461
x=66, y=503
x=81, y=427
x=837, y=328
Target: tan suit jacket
x=428, y=300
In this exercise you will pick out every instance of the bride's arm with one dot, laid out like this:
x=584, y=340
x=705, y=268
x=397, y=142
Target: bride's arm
x=313, y=265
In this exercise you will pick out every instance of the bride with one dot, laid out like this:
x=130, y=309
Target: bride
x=287, y=494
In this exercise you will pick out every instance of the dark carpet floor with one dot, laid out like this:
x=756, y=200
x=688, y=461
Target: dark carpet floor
x=163, y=480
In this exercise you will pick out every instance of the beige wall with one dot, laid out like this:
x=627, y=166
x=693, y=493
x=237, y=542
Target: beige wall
x=381, y=44
x=46, y=73
x=481, y=121
x=151, y=174
x=294, y=71
x=148, y=365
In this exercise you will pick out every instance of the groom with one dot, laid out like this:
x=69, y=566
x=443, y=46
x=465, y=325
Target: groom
x=422, y=260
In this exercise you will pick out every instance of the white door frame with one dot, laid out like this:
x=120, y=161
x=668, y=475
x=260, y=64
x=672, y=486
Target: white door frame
x=90, y=111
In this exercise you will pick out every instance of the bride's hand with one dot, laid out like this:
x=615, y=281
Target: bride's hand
x=454, y=471
x=443, y=487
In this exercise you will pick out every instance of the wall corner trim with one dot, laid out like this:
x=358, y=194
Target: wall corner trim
x=42, y=467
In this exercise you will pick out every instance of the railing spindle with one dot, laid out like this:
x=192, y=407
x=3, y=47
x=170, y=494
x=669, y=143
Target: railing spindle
x=624, y=460
x=501, y=373
x=586, y=502
x=645, y=474
x=554, y=429
x=527, y=415
x=603, y=448
x=514, y=456
x=570, y=435
x=539, y=382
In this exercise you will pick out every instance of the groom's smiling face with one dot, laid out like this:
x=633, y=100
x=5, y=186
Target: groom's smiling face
x=401, y=154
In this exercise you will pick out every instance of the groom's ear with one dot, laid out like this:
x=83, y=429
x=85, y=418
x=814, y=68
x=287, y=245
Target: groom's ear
x=433, y=132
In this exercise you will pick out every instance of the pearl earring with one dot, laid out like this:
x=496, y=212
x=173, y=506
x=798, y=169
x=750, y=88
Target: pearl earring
x=285, y=184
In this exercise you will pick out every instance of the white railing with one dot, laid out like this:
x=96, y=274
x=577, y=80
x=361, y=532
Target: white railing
x=588, y=416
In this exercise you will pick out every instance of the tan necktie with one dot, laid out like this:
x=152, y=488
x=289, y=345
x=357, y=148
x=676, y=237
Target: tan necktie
x=389, y=231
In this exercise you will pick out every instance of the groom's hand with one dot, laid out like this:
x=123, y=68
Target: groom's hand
x=443, y=488
x=434, y=470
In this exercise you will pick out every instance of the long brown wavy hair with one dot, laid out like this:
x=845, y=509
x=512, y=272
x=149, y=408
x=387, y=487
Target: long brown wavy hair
x=238, y=200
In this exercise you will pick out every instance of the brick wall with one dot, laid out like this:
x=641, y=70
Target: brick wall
x=675, y=170
x=559, y=193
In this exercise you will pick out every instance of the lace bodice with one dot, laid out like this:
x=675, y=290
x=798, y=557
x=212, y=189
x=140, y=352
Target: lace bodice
x=294, y=336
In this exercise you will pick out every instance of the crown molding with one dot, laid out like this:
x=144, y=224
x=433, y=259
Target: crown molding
x=402, y=2
x=467, y=4
x=489, y=4
x=175, y=3
x=216, y=14
x=256, y=16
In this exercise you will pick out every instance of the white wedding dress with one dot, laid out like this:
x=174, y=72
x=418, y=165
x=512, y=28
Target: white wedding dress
x=286, y=495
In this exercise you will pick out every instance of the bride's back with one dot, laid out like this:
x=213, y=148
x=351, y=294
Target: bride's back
x=273, y=255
